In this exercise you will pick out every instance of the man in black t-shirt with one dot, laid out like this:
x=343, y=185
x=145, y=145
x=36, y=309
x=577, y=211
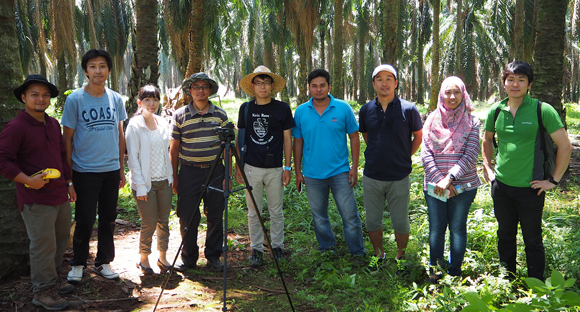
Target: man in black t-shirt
x=266, y=137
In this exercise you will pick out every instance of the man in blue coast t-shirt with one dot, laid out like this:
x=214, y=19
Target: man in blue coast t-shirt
x=392, y=129
x=93, y=135
x=322, y=125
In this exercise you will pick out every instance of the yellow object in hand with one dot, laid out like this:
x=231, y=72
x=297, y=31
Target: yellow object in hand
x=52, y=174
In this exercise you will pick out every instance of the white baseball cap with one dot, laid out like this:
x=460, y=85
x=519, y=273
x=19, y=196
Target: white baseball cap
x=385, y=67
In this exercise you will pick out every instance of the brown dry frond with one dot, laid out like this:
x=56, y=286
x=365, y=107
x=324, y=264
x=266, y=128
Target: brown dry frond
x=91, y=20
x=62, y=32
x=302, y=16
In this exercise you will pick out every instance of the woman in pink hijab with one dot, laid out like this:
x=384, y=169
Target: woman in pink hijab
x=449, y=155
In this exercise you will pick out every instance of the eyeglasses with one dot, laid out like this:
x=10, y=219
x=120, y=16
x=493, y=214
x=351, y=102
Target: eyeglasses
x=197, y=88
x=262, y=84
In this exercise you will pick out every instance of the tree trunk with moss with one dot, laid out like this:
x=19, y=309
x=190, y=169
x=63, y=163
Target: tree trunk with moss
x=144, y=66
x=435, y=57
x=196, y=32
x=13, y=237
x=390, y=10
x=549, y=54
x=337, y=89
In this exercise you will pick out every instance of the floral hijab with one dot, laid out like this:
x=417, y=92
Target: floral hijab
x=447, y=129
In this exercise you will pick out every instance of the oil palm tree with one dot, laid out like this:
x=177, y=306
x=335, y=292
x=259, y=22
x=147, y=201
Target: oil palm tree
x=144, y=65
x=15, y=246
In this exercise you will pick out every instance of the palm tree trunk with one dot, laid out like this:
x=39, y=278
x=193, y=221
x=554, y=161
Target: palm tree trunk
x=363, y=97
x=322, y=30
x=195, y=37
x=302, y=70
x=549, y=53
x=337, y=89
x=517, y=47
x=14, y=246
x=435, y=57
x=144, y=65
x=459, y=39
x=390, y=10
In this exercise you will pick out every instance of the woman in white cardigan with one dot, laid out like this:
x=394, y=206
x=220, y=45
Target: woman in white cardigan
x=148, y=137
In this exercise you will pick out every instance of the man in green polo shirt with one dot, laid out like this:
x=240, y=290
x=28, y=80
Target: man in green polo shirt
x=518, y=194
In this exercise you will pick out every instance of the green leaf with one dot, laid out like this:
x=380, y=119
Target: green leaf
x=558, y=279
x=571, y=298
x=570, y=282
x=475, y=302
x=536, y=285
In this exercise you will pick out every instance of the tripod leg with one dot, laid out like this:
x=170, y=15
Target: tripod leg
x=245, y=178
x=189, y=229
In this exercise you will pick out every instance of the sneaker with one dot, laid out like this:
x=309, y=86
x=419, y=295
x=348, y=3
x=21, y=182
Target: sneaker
x=434, y=278
x=278, y=254
x=375, y=265
x=65, y=288
x=49, y=299
x=401, y=267
x=215, y=265
x=184, y=266
x=256, y=258
x=75, y=274
x=105, y=271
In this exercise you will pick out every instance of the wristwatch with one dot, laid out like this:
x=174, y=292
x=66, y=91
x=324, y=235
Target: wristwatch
x=69, y=183
x=288, y=168
x=551, y=180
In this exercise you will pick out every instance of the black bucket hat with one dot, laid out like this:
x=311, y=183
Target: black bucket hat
x=35, y=78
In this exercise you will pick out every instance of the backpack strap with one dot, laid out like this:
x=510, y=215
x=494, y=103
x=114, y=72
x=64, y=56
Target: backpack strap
x=495, y=115
x=242, y=134
x=542, y=130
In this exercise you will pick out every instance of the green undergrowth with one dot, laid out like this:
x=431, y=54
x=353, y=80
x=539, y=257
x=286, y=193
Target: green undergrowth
x=327, y=282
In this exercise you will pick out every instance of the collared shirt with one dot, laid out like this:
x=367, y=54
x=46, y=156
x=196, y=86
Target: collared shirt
x=196, y=133
x=389, y=138
x=325, y=152
x=516, y=138
x=28, y=145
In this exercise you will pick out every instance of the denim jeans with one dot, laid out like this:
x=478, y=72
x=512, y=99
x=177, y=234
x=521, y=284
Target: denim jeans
x=452, y=213
x=513, y=205
x=317, y=191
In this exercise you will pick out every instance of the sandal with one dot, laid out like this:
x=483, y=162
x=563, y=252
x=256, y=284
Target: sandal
x=162, y=267
x=145, y=270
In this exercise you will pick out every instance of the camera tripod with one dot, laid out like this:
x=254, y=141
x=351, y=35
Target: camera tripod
x=226, y=136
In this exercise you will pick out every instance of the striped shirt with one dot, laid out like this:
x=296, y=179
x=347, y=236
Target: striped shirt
x=196, y=133
x=462, y=165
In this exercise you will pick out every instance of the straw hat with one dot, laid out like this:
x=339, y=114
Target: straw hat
x=278, y=83
x=199, y=77
x=35, y=78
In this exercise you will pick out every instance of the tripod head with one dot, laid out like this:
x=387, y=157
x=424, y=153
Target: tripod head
x=226, y=133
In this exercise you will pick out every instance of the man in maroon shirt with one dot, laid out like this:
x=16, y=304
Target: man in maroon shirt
x=31, y=142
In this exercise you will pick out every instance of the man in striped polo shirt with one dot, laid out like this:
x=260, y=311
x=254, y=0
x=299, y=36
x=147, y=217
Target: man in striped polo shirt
x=192, y=136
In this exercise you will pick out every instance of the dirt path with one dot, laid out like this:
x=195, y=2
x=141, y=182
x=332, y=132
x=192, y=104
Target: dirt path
x=197, y=290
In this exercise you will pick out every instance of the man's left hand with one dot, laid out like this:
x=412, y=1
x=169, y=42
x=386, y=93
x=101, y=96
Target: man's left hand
x=542, y=185
x=123, y=180
x=353, y=176
x=286, y=177
x=72, y=194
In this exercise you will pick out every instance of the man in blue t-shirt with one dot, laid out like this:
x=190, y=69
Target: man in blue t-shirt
x=322, y=125
x=267, y=137
x=392, y=129
x=92, y=122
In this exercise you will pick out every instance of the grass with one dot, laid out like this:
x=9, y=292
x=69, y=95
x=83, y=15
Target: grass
x=335, y=283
